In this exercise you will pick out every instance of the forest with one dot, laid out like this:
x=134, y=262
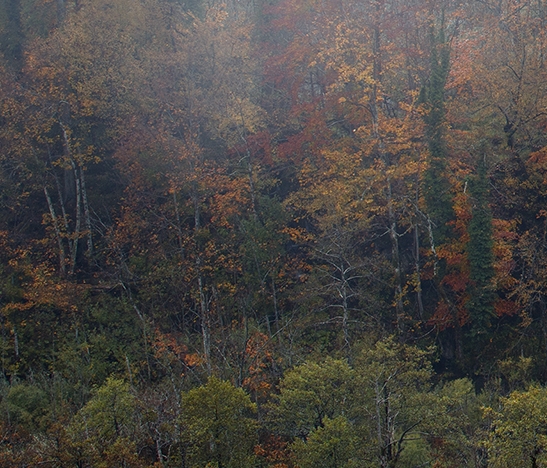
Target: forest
x=273, y=233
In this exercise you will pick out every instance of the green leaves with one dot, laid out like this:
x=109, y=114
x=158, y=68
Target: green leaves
x=311, y=392
x=109, y=414
x=349, y=416
x=436, y=186
x=24, y=405
x=334, y=445
x=519, y=435
x=480, y=254
x=103, y=432
x=220, y=429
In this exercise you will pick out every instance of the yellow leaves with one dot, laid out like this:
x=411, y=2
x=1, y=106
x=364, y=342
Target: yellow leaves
x=226, y=286
x=240, y=117
x=517, y=438
x=219, y=53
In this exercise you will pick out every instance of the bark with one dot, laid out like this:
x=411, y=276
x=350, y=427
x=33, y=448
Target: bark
x=62, y=256
x=144, y=334
x=203, y=305
x=252, y=189
x=77, y=227
x=15, y=343
x=87, y=214
x=345, y=308
x=205, y=325
x=418, y=272
x=392, y=221
x=274, y=297
x=179, y=225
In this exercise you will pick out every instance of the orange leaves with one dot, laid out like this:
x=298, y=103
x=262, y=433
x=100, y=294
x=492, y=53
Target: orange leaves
x=40, y=287
x=537, y=164
x=167, y=346
x=443, y=317
x=229, y=199
x=499, y=74
x=259, y=355
x=275, y=451
x=297, y=234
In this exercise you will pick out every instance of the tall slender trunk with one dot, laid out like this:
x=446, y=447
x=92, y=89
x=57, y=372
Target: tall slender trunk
x=543, y=321
x=345, y=307
x=144, y=333
x=379, y=404
x=276, y=309
x=395, y=259
x=417, y=268
x=87, y=214
x=63, y=208
x=62, y=256
x=250, y=174
x=78, y=225
x=179, y=225
x=205, y=323
x=392, y=221
x=15, y=343
x=417, y=265
x=77, y=182
x=203, y=305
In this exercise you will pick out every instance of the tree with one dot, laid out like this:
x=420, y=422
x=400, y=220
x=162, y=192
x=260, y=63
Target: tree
x=503, y=82
x=108, y=414
x=480, y=255
x=518, y=435
x=218, y=424
x=395, y=398
x=333, y=445
x=357, y=150
x=311, y=393
x=11, y=33
x=437, y=193
x=385, y=400
x=105, y=424
x=24, y=405
x=454, y=435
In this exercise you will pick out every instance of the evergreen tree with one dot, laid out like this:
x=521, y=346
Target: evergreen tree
x=436, y=186
x=480, y=255
x=11, y=35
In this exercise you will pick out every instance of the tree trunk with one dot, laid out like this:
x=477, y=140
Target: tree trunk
x=62, y=256
x=203, y=306
x=392, y=222
x=87, y=214
x=77, y=227
x=418, y=284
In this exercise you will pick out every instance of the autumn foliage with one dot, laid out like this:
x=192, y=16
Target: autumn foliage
x=192, y=189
